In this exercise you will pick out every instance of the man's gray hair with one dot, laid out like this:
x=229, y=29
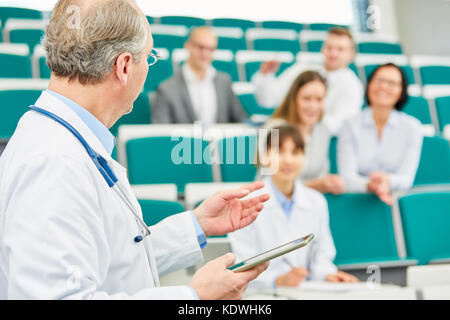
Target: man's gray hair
x=83, y=43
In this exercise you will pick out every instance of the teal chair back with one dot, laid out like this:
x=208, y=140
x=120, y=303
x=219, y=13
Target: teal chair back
x=183, y=20
x=252, y=67
x=362, y=229
x=140, y=114
x=426, y=224
x=157, y=74
x=233, y=44
x=252, y=107
x=277, y=45
x=154, y=211
x=282, y=25
x=44, y=70
x=18, y=13
x=15, y=66
x=380, y=48
x=332, y=155
x=408, y=71
x=31, y=37
x=435, y=75
x=236, y=23
x=325, y=26
x=418, y=108
x=14, y=104
x=229, y=67
x=434, y=165
x=168, y=41
x=314, y=45
x=238, y=158
x=155, y=160
x=443, y=111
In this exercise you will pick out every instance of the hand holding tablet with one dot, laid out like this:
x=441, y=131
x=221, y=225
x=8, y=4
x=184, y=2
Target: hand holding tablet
x=271, y=254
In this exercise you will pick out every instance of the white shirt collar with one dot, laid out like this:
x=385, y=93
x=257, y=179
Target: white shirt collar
x=191, y=76
x=369, y=121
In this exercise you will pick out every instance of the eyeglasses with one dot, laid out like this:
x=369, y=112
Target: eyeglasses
x=390, y=83
x=153, y=57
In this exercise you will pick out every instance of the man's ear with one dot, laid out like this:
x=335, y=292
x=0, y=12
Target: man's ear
x=123, y=67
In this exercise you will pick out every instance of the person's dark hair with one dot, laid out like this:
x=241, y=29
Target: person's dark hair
x=403, y=96
x=286, y=132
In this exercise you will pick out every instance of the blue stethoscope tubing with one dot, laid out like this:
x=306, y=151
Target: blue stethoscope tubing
x=102, y=166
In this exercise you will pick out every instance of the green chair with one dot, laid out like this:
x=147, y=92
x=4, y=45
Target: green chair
x=150, y=20
x=15, y=66
x=435, y=75
x=352, y=66
x=362, y=229
x=252, y=67
x=443, y=111
x=237, y=23
x=380, y=48
x=277, y=45
x=314, y=45
x=332, y=154
x=252, y=107
x=18, y=13
x=238, y=158
x=157, y=74
x=434, y=165
x=282, y=25
x=408, y=71
x=154, y=211
x=325, y=26
x=169, y=41
x=14, y=104
x=31, y=37
x=426, y=224
x=156, y=160
x=183, y=20
x=44, y=71
x=229, y=67
x=230, y=43
x=418, y=108
x=141, y=114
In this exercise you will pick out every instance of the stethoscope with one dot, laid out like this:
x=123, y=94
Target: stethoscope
x=104, y=169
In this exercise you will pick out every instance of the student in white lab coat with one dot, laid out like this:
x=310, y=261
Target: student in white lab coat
x=293, y=211
x=64, y=233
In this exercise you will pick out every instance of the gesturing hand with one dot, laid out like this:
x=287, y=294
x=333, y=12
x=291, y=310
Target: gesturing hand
x=224, y=212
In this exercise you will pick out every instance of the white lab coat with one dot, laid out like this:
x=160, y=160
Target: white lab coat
x=272, y=228
x=65, y=234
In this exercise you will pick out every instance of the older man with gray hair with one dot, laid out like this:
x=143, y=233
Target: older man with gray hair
x=70, y=224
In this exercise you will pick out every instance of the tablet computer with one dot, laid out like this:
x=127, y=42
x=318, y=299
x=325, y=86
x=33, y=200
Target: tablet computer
x=271, y=254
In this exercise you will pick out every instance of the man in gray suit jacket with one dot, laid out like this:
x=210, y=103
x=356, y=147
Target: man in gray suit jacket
x=198, y=92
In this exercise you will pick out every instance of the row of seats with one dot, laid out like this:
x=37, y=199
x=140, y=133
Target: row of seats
x=425, y=110
x=241, y=66
x=172, y=37
x=374, y=237
x=24, y=13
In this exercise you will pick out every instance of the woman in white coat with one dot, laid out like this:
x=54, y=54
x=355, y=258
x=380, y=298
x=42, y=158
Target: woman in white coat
x=294, y=210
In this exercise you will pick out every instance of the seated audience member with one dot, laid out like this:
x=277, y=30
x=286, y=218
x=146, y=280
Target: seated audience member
x=379, y=149
x=303, y=108
x=345, y=91
x=198, y=92
x=293, y=211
